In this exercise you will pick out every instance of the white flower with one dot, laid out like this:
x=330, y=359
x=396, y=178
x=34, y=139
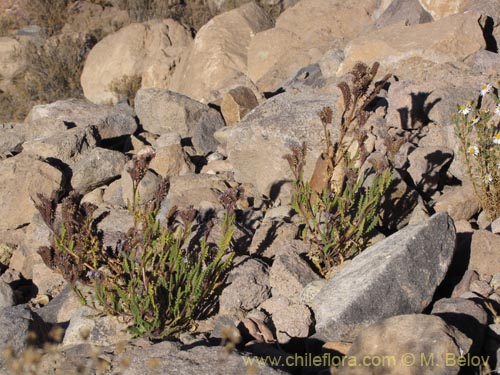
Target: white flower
x=496, y=139
x=485, y=89
x=465, y=109
x=497, y=110
x=473, y=150
x=487, y=179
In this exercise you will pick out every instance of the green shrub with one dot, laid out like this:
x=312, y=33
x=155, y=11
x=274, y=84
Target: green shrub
x=338, y=207
x=478, y=129
x=158, y=277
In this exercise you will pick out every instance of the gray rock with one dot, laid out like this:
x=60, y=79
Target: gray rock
x=146, y=190
x=61, y=308
x=396, y=276
x=256, y=146
x=289, y=274
x=407, y=345
x=98, y=168
x=163, y=111
x=169, y=359
x=408, y=11
x=465, y=315
x=110, y=121
x=6, y=295
x=68, y=146
x=18, y=324
x=248, y=286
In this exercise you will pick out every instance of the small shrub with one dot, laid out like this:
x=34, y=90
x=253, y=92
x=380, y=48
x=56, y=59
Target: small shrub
x=126, y=87
x=478, y=130
x=338, y=208
x=50, y=15
x=159, y=277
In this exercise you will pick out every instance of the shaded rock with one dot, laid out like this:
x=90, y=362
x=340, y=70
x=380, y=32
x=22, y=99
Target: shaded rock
x=266, y=134
x=162, y=111
x=465, y=315
x=451, y=39
x=428, y=166
x=289, y=274
x=248, y=286
x=396, y=276
x=150, y=51
x=6, y=295
x=171, y=360
x=68, y=147
x=103, y=330
x=397, y=335
x=236, y=103
x=24, y=177
x=484, y=252
x=460, y=202
x=98, y=168
x=464, y=285
x=110, y=121
x=217, y=60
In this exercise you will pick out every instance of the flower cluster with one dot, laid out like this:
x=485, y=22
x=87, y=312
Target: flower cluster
x=478, y=129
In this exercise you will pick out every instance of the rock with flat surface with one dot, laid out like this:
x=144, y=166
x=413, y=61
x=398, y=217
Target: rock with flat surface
x=396, y=276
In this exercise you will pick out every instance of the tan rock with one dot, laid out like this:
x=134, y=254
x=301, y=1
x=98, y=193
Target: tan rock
x=171, y=161
x=218, y=57
x=149, y=50
x=22, y=178
x=484, y=252
x=237, y=103
x=459, y=201
x=303, y=33
x=440, y=9
x=452, y=39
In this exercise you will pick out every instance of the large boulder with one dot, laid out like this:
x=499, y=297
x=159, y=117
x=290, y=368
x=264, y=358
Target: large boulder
x=218, y=58
x=398, y=275
x=150, y=51
x=303, y=33
x=22, y=178
x=451, y=39
x=163, y=111
x=256, y=146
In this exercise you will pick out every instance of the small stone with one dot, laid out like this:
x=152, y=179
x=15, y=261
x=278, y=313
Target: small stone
x=481, y=287
x=237, y=103
x=294, y=321
x=495, y=226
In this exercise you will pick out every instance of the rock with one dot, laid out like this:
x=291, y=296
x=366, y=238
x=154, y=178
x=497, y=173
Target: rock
x=113, y=194
x=464, y=285
x=292, y=322
x=485, y=61
x=440, y=9
x=6, y=295
x=303, y=33
x=98, y=168
x=110, y=121
x=311, y=290
x=451, y=39
x=171, y=161
x=61, y=308
x=162, y=111
x=248, y=286
x=167, y=358
x=217, y=60
x=460, y=202
x=409, y=12
x=47, y=280
x=10, y=140
x=150, y=51
x=115, y=226
x=484, y=252
x=24, y=177
x=289, y=274
x=266, y=134
x=481, y=288
x=465, y=315
x=103, y=330
x=67, y=147
x=19, y=324
x=495, y=226
x=396, y=276
x=236, y=103
x=437, y=343
x=428, y=166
